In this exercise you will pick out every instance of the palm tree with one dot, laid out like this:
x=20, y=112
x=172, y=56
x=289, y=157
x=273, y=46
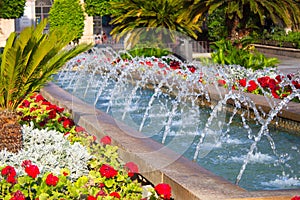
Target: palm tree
x=238, y=13
x=134, y=16
x=27, y=63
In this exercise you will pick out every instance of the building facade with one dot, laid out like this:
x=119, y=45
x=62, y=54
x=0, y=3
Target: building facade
x=34, y=12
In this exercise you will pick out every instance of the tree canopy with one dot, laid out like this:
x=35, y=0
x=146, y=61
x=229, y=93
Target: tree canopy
x=240, y=13
x=10, y=9
x=167, y=14
x=68, y=16
x=99, y=7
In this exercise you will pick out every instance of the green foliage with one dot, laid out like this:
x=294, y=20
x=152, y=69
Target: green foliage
x=29, y=60
x=167, y=14
x=10, y=9
x=280, y=38
x=227, y=54
x=100, y=7
x=68, y=16
x=145, y=52
x=216, y=26
x=240, y=15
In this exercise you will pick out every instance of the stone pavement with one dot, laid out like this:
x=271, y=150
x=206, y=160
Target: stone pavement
x=286, y=64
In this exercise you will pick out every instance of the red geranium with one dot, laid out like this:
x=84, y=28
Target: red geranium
x=243, y=82
x=132, y=168
x=115, y=194
x=105, y=140
x=108, y=171
x=221, y=82
x=39, y=98
x=32, y=171
x=10, y=174
x=163, y=190
x=264, y=81
x=252, y=86
x=296, y=198
x=18, y=195
x=52, y=114
x=51, y=180
x=91, y=198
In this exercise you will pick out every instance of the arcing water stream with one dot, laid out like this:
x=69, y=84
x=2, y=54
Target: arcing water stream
x=167, y=104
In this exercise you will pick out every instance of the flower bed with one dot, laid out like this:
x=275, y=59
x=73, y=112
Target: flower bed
x=62, y=161
x=266, y=82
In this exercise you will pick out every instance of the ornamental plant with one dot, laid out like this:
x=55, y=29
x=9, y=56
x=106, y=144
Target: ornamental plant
x=106, y=177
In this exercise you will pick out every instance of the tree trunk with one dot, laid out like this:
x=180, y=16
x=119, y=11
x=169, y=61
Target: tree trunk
x=10, y=132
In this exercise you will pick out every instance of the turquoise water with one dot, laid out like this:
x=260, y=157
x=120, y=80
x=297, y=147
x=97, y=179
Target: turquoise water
x=223, y=153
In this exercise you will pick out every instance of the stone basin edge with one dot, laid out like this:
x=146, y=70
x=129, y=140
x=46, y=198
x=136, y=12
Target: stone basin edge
x=156, y=162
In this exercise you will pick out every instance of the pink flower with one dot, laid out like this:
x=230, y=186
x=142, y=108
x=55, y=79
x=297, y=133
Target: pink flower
x=115, y=194
x=105, y=140
x=163, y=190
x=79, y=129
x=108, y=171
x=51, y=180
x=32, y=171
x=132, y=168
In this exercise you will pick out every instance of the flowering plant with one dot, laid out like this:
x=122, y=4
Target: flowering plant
x=104, y=176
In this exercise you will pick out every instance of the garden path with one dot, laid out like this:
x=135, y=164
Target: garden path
x=287, y=64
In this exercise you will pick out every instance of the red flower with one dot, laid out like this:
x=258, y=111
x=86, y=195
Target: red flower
x=279, y=78
x=8, y=170
x=264, y=81
x=11, y=179
x=18, y=195
x=51, y=180
x=252, y=86
x=32, y=170
x=221, y=82
x=52, y=114
x=79, y=129
x=65, y=173
x=105, y=140
x=26, y=163
x=296, y=198
x=91, y=198
x=163, y=190
x=243, y=82
x=115, y=194
x=67, y=123
x=296, y=84
x=26, y=103
x=39, y=98
x=192, y=69
x=108, y=171
x=132, y=168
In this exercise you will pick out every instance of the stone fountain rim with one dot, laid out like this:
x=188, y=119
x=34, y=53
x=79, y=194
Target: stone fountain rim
x=183, y=175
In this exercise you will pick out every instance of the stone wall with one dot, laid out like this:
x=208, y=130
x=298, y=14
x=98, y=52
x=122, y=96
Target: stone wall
x=6, y=27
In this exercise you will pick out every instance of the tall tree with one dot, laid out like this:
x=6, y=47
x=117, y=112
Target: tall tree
x=10, y=9
x=168, y=14
x=239, y=13
x=99, y=7
x=67, y=15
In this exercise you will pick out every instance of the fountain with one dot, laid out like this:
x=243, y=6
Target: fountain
x=189, y=113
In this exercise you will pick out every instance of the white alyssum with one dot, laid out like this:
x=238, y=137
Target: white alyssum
x=50, y=151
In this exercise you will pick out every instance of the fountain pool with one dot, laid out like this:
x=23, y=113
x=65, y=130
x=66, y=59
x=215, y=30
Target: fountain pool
x=244, y=150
